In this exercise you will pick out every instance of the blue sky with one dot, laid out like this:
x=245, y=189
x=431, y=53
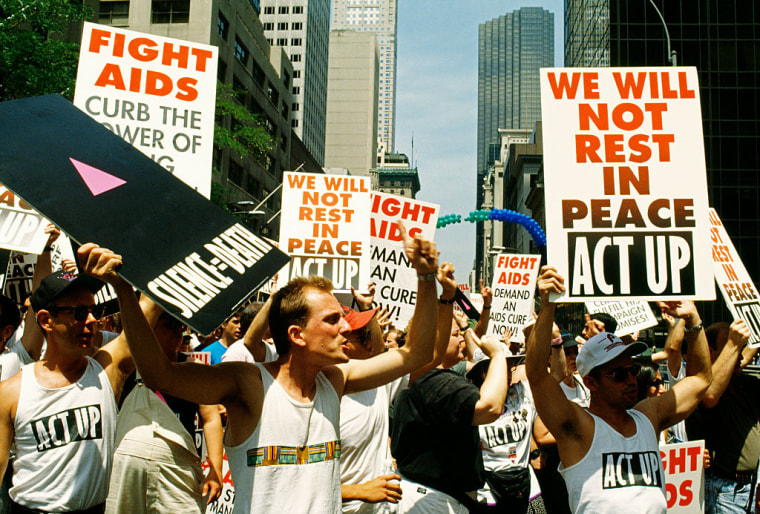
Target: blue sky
x=436, y=100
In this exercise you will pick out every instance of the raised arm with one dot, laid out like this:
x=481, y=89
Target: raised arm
x=560, y=415
x=724, y=366
x=683, y=397
x=33, y=338
x=493, y=392
x=482, y=327
x=190, y=381
x=673, y=343
x=360, y=375
x=254, y=336
x=558, y=363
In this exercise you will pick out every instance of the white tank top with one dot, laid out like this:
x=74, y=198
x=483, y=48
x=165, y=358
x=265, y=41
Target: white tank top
x=64, y=442
x=291, y=461
x=618, y=474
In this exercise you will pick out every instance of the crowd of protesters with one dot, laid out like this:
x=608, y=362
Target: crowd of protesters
x=322, y=407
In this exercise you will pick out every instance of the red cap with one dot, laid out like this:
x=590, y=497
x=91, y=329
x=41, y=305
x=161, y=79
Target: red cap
x=358, y=320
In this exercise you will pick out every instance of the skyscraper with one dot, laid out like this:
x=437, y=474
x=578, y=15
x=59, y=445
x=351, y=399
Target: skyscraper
x=720, y=39
x=511, y=50
x=302, y=28
x=379, y=17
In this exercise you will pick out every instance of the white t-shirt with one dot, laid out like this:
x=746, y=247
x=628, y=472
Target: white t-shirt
x=238, y=352
x=365, y=452
x=578, y=394
x=13, y=357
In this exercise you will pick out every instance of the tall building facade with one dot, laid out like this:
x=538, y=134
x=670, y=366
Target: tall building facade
x=511, y=50
x=262, y=76
x=351, y=141
x=302, y=29
x=722, y=39
x=378, y=17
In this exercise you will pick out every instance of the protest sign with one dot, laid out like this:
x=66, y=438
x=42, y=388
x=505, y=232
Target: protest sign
x=631, y=315
x=514, y=280
x=394, y=277
x=683, y=464
x=735, y=284
x=324, y=227
x=616, y=141
x=21, y=228
x=192, y=258
x=202, y=357
x=157, y=93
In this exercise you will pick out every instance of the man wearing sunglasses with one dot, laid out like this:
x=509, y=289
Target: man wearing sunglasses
x=609, y=452
x=60, y=413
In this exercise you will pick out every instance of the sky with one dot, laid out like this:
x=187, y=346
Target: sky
x=436, y=101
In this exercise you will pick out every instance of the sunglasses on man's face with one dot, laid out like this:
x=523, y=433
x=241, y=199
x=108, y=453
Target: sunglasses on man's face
x=80, y=311
x=657, y=383
x=621, y=374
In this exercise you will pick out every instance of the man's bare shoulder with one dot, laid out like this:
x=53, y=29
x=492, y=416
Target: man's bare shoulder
x=9, y=394
x=336, y=374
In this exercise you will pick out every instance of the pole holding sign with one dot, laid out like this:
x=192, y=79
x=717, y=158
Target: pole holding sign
x=514, y=281
x=157, y=93
x=325, y=228
x=617, y=140
x=734, y=282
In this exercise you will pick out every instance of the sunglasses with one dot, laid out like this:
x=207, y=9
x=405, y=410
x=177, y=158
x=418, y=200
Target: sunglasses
x=621, y=374
x=657, y=383
x=363, y=339
x=80, y=311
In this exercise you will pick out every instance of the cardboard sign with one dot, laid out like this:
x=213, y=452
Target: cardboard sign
x=325, y=228
x=631, y=315
x=684, y=476
x=156, y=93
x=626, y=190
x=514, y=281
x=192, y=258
x=21, y=228
x=734, y=283
x=394, y=277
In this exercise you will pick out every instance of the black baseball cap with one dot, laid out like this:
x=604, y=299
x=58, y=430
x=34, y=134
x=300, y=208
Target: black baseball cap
x=56, y=284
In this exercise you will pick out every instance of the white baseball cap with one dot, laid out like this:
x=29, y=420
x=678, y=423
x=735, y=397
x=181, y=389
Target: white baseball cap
x=601, y=349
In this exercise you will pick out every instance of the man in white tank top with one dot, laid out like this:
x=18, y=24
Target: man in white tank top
x=60, y=413
x=609, y=452
x=282, y=434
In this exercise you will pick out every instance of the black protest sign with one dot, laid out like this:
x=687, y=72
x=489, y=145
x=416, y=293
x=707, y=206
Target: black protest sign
x=184, y=252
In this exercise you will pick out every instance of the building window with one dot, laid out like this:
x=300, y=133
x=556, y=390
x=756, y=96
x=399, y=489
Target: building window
x=296, y=107
x=258, y=74
x=114, y=13
x=284, y=111
x=282, y=41
x=269, y=26
x=235, y=173
x=241, y=52
x=222, y=26
x=282, y=26
x=294, y=123
x=170, y=11
x=296, y=26
x=297, y=9
x=296, y=90
x=296, y=74
x=295, y=58
x=269, y=41
x=283, y=9
x=285, y=78
x=296, y=41
x=269, y=10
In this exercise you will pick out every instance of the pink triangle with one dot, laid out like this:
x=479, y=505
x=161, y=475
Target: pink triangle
x=97, y=181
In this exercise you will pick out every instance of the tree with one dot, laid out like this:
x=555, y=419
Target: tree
x=247, y=136
x=34, y=58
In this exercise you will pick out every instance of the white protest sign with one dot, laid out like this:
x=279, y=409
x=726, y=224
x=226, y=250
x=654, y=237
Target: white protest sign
x=616, y=142
x=21, y=228
x=514, y=281
x=394, y=277
x=156, y=93
x=684, y=476
x=735, y=284
x=325, y=228
x=631, y=315
x=226, y=501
